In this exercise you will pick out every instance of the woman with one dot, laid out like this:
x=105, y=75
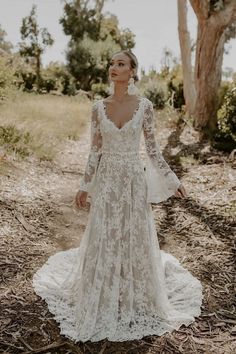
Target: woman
x=118, y=284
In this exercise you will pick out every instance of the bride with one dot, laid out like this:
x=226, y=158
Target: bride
x=118, y=284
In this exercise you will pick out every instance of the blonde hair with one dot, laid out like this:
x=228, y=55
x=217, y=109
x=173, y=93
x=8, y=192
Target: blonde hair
x=133, y=61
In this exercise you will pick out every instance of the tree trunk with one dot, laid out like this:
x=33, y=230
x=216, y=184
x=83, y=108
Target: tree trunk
x=208, y=64
x=38, y=69
x=212, y=25
x=185, y=48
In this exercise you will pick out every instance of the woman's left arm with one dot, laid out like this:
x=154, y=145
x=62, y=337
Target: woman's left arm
x=161, y=180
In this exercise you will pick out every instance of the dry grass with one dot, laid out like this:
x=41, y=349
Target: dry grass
x=48, y=119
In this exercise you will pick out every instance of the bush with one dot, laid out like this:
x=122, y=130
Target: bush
x=175, y=87
x=156, y=94
x=14, y=140
x=225, y=138
x=6, y=78
x=99, y=90
x=224, y=88
x=164, y=88
x=155, y=91
x=55, y=77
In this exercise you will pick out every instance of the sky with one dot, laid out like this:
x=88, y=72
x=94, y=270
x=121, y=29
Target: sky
x=154, y=22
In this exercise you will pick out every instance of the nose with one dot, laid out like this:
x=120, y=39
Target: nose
x=112, y=70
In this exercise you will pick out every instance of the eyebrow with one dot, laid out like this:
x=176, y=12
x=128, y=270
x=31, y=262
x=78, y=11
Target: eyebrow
x=118, y=60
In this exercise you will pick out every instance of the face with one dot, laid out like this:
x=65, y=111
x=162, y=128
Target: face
x=120, y=68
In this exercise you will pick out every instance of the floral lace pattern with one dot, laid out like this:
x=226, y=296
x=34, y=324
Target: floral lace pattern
x=118, y=284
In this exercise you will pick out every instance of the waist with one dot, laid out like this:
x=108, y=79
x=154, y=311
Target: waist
x=120, y=154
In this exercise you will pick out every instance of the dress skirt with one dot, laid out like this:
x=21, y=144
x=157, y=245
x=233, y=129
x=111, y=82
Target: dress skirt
x=118, y=284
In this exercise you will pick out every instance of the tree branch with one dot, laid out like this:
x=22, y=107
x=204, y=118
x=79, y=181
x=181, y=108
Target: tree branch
x=201, y=8
x=228, y=15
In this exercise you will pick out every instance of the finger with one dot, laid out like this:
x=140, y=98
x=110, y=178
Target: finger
x=83, y=203
x=77, y=202
x=180, y=193
x=183, y=194
x=177, y=194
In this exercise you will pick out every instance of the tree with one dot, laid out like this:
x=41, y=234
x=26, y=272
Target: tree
x=93, y=39
x=215, y=18
x=185, y=49
x=168, y=60
x=35, y=40
x=5, y=46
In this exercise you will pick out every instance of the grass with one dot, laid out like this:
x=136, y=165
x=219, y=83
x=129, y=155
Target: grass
x=38, y=124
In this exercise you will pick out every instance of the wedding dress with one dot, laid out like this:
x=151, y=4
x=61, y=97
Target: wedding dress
x=118, y=284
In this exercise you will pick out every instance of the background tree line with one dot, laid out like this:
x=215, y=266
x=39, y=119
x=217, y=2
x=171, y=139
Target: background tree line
x=197, y=91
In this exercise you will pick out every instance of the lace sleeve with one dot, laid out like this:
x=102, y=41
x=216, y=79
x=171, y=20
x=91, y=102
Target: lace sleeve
x=94, y=154
x=162, y=182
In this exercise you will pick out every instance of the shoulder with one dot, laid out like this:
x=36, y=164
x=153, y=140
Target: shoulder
x=147, y=103
x=96, y=104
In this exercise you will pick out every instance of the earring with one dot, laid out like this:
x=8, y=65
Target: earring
x=111, y=88
x=132, y=89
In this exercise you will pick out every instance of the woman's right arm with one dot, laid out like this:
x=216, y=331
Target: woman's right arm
x=93, y=158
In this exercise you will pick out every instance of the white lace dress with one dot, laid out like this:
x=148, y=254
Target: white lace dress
x=118, y=284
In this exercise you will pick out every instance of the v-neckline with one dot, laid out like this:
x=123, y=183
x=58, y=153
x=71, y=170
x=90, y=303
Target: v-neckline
x=128, y=121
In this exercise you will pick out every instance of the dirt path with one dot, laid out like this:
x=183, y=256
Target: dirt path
x=37, y=220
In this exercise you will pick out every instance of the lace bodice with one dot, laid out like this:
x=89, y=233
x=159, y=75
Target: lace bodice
x=107, y=138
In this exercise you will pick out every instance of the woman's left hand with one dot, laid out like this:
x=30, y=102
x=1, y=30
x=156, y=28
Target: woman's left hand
x=181, y=192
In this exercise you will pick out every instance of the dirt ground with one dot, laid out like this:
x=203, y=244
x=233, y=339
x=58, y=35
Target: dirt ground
x=37, y=219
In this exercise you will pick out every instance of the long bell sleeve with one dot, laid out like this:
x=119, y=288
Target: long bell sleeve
x=162, y=182
x=88, y=180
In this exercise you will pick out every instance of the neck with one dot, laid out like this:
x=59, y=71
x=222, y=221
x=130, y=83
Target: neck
x=120, y=91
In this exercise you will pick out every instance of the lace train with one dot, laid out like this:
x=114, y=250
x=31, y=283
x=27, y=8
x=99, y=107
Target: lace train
x=55, y=283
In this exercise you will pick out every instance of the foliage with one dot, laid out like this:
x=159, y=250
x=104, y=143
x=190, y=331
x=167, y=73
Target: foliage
x=168, y=60
x=216, y=5
x=16, y=72
x=109, y=27
x=225, y=138
x=14, y=140
x=56, y=77
x=94, y=37
x=176, y=91
x=6, y=77
x=94, y=61
x=99, y=90
x=5, y=45
x=78, y=19
x=35, y=40
x=156, y=91
x=164, y=88
x=224, y=87
x=25, y=76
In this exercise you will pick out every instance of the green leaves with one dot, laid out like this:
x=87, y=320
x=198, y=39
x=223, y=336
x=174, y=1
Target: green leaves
x=34, y=39
x=94, y=37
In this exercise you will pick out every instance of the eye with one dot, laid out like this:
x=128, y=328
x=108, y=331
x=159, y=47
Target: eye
x=121, y=64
